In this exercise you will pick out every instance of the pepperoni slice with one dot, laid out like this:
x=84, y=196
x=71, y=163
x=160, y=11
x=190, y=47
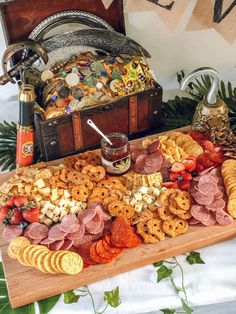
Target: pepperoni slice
x=84, y=252
x=70, y=224
x=109, y=246
x=152, y=148
x=76, y=235
x=85, y=239
x=94, y=255
x=200, y=212
x=121, y=232
x=56, y=234
x=102, y=252
x=203, y=199
x=223, y=218
x=11, y=232
x=38, y=231
x=135, y=241
x=217, y=205
x=211, y=221
x=67, y=245
x=55, y=246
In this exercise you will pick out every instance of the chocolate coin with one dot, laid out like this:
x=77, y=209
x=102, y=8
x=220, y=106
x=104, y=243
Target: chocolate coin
x=116, y=74
x=96, y=66
x=113, y=85
x=85, y=71
x=90, y=81
x=64, y=92
x=47, y=75
x=77, y=93
x=74, y=105
x=72, y=79
x=63, y=74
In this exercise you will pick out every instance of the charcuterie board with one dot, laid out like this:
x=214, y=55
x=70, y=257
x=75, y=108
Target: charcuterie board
x=21, y=278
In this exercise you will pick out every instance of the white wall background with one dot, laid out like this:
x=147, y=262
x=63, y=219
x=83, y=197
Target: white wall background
x=171, y=52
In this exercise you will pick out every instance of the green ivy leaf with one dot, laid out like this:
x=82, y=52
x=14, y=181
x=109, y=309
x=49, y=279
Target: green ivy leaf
x=194, y=258
x=187, y=309
x=47, y=304
x=158, y=264
x=163, y=272
x=168, y=311
x=70, y=297
x=112, y=297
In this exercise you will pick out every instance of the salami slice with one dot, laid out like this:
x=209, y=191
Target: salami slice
x=67, y=245
x=76, y=235
x=200, y=213
x=46, y=241
x=132, y=148
x=154, y=160
x=95, y=225
x=140, y=161
x=135, y=154
x=193, y=221
x=102, y=252
x=11, y=232
x=218, y=195
x=206, y=179
x=217, y=205
x=165, y=164
x=101, y=213
x=84, y=252
x=211, y=221
x=94, y=255
x=150, y=170
x=56, y=234
x=203, y=199
x=69, y=224
x=134, y=241
x=223, y=218
x=38, y=231
x=87, y=215
x=55, y=246
x=109, y=246
x=152, y=148
x=85, y=239
x=208, y=188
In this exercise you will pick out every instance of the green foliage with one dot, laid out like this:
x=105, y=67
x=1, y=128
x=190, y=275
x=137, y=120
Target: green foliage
x=168, y=311
x=194, y=258
x=112, y=297
x=7, y=145
x=46, y=305
x=157, y=264
x=71, y=297
x=163, y=272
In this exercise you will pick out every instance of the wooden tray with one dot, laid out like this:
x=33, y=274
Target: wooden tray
x=37, y=285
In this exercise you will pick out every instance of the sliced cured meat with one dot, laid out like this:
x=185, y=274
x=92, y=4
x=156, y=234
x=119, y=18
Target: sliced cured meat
x=135, y=154
x=102, y=252
x=69, y=224
x=85, y=239
x=109, y=246
x=200, y=213
x=38, y=231
x=215, y=172
x=121, y=232
x=76, y=235
x=55, y=246
x=165, y=164
x=87, y=215
x=208, y=188
x=84, y=252
x=134, y=241
x=211, y=221
x=140, y=161
x=203, y=199
x=217, y=205
x=206, y=179
x=34, y=241
x=98, y=259
x=223, y=218
x=193, y=221
x=46, y=241
x=97, y=236
x=95, y=225
x=101, y=213
x=11, y=232
x=154, y=160
x=107, y=226
x=150, y=170
x=152, y=148
x=218, y=195
x=56, y=234
x=132, y=148
x=205, y=171
x=67, y=245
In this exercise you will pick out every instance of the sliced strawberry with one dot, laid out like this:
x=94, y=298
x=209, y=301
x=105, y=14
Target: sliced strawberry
x=208, y=145
x=199, y=167
x=187, y=176
x=169, y=184
x=177, y=167
x=184, y=185
x=20, y=201
x=9, y=200
x=196, y=135
x=31, y=215
x=217, y=157
x=16, y=217
x=3, y=212
x=190, y=163
x=173, y=176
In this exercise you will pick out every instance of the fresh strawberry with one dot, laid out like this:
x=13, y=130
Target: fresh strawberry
x=173, y=176
x=177, y=167
x=9, y=200
x=16, y=217
x=196, y=135
x=208, y=145
x=184, y=185
x=187, y=176
x=169, y=184
x=190, y=163
x=31, y=215
x=20, y=201
x=199, y=167
x=3, y=212
x=217, y=157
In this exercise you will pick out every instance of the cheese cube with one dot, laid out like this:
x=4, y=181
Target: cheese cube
x=84, y=205
x=49, y=214
x=62, y=202
x=133, y=202
x=39, y=183
x=126, y=199
x=67, y=194
x=37, y=198
x=156, y=191
x=47, y=222
x=63, y=214
x=143, y=190
x=57, y=211
x=74, y=210
x=45, y=191
x=41, y=217
x=138, y=196
x=55, y=218
x=54, y=195
x=138, y=207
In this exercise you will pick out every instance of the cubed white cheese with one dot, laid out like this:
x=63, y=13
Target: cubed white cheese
x=47, y=222
x=138, y=196
x=37, y=198
x=55, y=218
x=143, y=190
x=49, y=214
x=63, y=214
x=84, y=205
x=56, y=211
x=39, y=183
x=54, y=195
x=133, y=201
x=45, y=191
x=74, y=210
x=138, y=207
x=67, y=194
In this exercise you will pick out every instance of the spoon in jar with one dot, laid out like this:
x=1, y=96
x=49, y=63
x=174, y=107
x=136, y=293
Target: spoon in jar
x=90, y=123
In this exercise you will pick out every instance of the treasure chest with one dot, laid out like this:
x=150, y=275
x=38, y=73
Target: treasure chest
x=135, y=114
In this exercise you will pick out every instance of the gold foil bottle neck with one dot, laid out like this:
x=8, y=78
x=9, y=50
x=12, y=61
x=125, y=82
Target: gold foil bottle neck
x=27, y=93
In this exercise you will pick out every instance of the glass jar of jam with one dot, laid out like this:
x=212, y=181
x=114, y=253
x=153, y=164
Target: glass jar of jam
x=116, y=157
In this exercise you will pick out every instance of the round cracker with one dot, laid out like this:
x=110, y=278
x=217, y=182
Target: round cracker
x=20, y=255
x=71, y=263
x=40, y=261
x=54, y=260
x=15, y=244
x=35, y=254
x=48, y=263
x=231, y=207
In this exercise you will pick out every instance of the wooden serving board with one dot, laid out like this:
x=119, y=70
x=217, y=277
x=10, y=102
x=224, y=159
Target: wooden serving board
x=37, y=285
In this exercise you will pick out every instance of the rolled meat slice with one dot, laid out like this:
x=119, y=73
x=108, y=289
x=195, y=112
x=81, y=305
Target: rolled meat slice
x=153, y=147
x=55, y=246
x=76, y=235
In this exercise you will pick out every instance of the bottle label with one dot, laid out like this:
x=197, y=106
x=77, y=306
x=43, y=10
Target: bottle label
x=24, y=148
x=118, y=166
